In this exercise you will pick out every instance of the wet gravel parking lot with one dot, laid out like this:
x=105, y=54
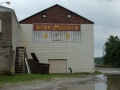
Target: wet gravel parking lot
x=54, y=84
x=60, y=83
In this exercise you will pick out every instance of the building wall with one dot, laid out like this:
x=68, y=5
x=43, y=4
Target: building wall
x=15, y=39
x=5, y=40
x=15, y=32
x=8, y=39
x=80, y=56
x=5, y=57
x=6, y=34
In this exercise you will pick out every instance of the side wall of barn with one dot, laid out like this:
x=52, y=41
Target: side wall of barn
x=79, y=56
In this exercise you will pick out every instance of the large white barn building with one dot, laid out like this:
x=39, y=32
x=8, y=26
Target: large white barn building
x=61, y=38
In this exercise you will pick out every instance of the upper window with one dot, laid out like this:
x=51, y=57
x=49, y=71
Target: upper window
x=69, y=15
x=44, y=15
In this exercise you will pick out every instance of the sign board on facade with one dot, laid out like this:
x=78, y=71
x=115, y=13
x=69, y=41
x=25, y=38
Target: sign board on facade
x=56, y=33
x=56, y=27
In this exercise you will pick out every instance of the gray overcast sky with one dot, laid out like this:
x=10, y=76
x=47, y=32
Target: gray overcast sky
x=104, y=13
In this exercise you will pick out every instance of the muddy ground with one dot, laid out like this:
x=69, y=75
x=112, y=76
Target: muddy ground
x=56, y=83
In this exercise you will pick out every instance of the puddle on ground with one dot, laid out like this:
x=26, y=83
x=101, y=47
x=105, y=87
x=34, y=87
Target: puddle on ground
x=110, y=82
x=79, y=87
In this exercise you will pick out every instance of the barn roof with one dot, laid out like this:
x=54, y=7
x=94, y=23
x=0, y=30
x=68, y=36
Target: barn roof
x=31, y=19
x=2, y=8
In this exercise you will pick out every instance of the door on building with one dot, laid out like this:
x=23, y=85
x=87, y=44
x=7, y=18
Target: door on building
x=58, y=65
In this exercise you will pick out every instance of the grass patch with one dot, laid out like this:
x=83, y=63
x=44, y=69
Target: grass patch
x=1, y=85
x=97, y=72
x=30, y=77
x=25, y=77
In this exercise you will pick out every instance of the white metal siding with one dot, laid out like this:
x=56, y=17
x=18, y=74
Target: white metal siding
x=15, y=32
x=15, y=36
x=80, y=56
x=56, y=36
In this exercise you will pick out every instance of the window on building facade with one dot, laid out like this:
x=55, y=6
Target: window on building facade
x=44, y=15
x=69, y=15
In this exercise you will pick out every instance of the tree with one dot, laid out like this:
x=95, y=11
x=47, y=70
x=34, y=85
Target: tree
x=112, y=51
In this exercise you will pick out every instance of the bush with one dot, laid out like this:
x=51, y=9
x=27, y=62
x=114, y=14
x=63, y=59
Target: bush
x=7, y=73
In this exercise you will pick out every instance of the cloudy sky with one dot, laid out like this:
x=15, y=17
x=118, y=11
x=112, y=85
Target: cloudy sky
x=104, y=13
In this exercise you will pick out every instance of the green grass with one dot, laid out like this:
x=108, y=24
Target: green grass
x=25, y=77
x=30, y=77
x=97, y=72
x=1, y=85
